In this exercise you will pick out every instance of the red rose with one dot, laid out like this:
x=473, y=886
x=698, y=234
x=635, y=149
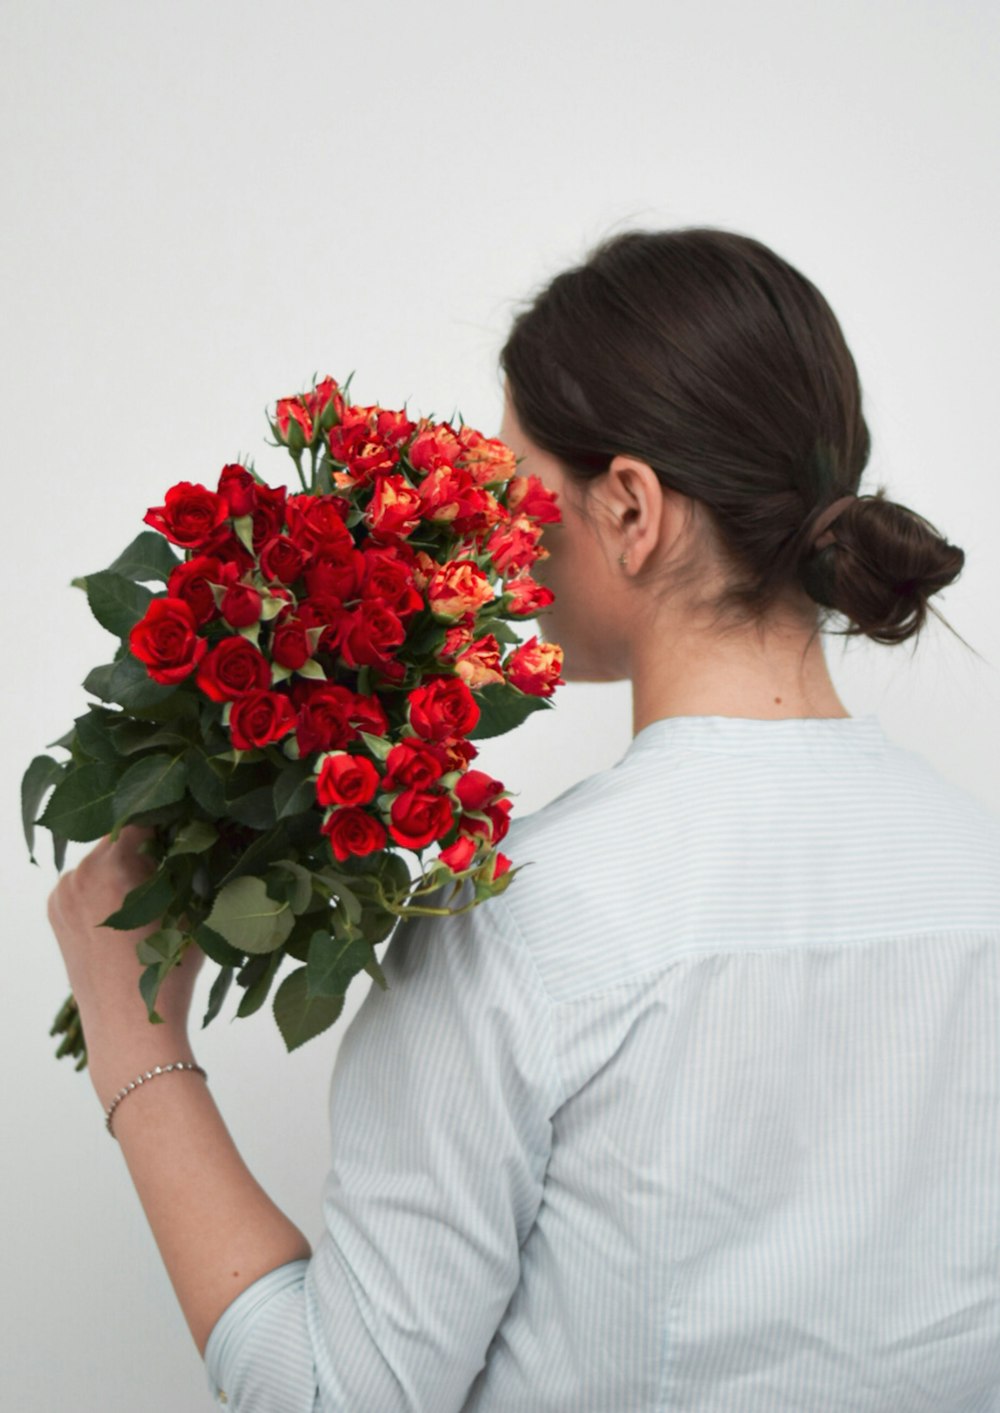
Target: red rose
x=240, y=604
x=316, y=522
x=290, y=644
x=268, y=514
x=282, y=559
x=324, y=719
x=328, y=613
x=190, y=582
x=442, y=706
x=476, y=790
x=233, y=667
x=346, y=780
x=497, y=813
x=500, y=866
x=190, y=516
x=239, y=489
x=418, y=817
x=260, y=717
x=459, y=855
x=229, y=548
x=353, y=831
x=166, y=640
x=336, y=572
x=369, y=714
x=414, y=762
x=389, y=579
x=370, y=634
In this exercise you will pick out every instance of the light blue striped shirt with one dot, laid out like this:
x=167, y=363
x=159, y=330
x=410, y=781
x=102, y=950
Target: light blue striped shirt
x=703, y=1113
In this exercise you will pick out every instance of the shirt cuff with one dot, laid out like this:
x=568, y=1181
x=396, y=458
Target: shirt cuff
x=230, y=1332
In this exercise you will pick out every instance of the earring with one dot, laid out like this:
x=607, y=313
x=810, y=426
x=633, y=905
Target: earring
x=621, y=558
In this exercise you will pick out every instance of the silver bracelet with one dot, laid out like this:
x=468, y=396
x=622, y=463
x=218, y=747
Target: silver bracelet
x=141, y=1079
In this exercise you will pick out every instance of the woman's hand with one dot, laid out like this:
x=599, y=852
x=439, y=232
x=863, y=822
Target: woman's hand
x=101, y=962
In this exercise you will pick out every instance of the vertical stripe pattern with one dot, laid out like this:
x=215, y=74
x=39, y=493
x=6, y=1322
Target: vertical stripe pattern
x=702, y=1113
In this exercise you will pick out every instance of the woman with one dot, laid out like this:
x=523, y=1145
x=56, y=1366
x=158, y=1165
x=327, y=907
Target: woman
x=704, y=1111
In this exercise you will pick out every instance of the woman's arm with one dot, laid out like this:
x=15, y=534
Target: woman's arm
x=216, y=1228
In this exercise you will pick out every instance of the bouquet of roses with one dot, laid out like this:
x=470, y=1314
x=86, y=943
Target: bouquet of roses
x=296, y=703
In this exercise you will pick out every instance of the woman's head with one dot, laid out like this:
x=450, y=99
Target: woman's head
x=691, y=397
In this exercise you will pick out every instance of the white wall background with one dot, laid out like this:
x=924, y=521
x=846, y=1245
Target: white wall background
x=207, y=203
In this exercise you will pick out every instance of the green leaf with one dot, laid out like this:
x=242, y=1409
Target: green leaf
x=300, y=1017
x=377, y=925
x=504, y=633
x=218, y=993
x=262, y=851
x=148, y=557
x=146, y=902
x=162, y=946
x=42, y=773
x=194, y=838
x=294, y=789
x=98, y=681
x=254, y=808
x=378, y=745
x=333, y=962
x=501, y=708
x=376, y=973
x=342, y=890
x=129, y=735
x=132, y=687
x=300, y=888
x=248, y=918
x=149, y=985
x=205, y=782
x=81, y=804
x=94, y=733
x=216, y=947
x=257, y=975
x=117, y=603
x=149, y=782
x=65, y=740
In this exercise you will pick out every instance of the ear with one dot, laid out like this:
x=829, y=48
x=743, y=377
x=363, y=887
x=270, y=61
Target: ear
x=639, y=509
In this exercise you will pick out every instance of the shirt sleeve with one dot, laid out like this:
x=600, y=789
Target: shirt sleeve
x=441, y=1103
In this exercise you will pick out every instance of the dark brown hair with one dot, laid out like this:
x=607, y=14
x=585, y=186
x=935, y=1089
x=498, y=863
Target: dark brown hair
x=704, y=354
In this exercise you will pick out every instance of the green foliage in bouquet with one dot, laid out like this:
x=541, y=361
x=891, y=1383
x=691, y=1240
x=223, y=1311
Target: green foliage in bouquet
x=295, y=700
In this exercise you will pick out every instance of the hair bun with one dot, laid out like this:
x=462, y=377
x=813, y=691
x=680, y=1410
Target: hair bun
x=881, y=568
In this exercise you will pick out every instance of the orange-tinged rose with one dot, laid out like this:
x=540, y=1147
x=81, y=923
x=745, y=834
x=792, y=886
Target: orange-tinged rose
x=487, y=458
x=527, y=596
x=434, y=445
x=514, y=545
x=395, y=507
x=455, y=639
x=457, y=588
x=534, y=668
x=480, y=663
x=527, y=496
x=442, y=493
x=423, y=567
